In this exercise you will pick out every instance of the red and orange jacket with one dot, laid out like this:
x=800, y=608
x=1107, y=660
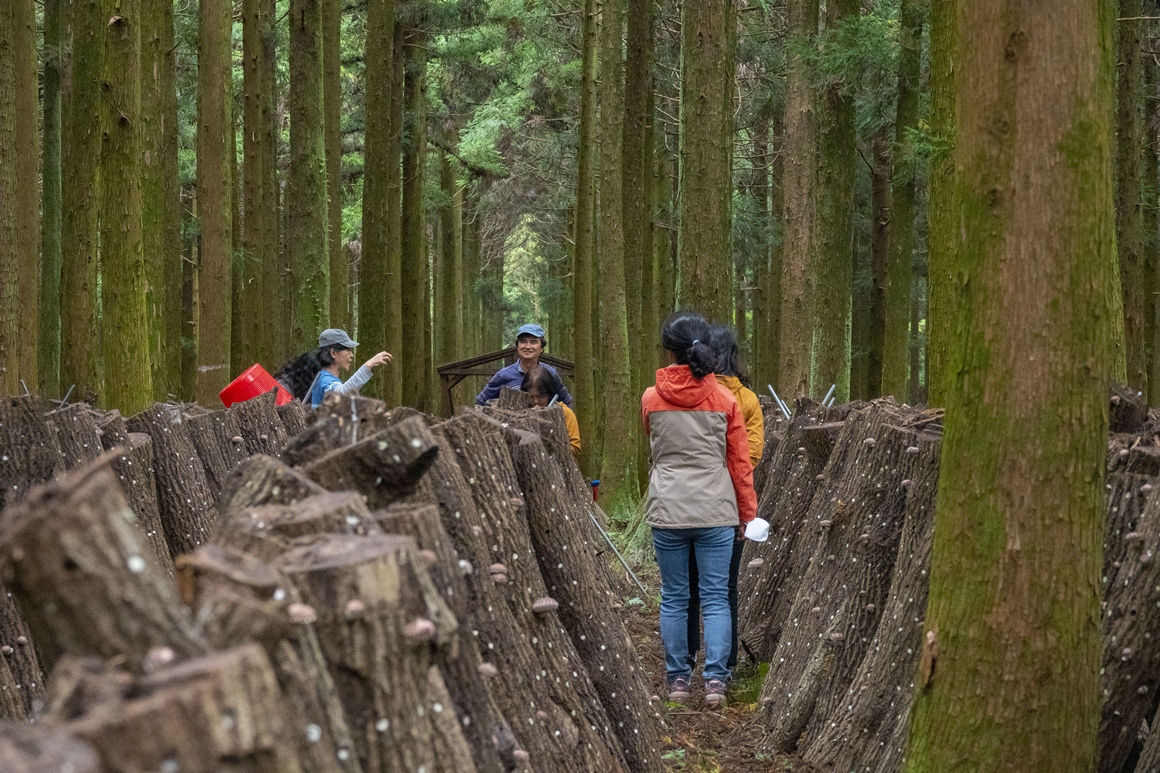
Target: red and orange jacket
x=701, y=474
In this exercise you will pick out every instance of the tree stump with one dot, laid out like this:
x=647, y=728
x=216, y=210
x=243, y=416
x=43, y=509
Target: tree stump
x=384, y=467
x=41, y=749
x=29, y=454
x=184, y=496
x=223, y=711
x=536, y=665
x=293, y=416
x=866, y=728
x=11, y=696
x=133, y=466
x=114, y=432
x=857, y=515
x=259, y=425
x=378, y=616
x=85, y=579
x=23, y=662
x=218, y=440
x=772, y=570
x=262, y=480
x=342, y=420
x=1129, y=410
x=77, y=434
x=1126, y=497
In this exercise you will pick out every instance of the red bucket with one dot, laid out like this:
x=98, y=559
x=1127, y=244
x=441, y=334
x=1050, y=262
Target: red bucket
x=253, y=382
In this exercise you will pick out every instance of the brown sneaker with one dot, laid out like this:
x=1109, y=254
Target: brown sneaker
x=715, y=693
x=679, y=690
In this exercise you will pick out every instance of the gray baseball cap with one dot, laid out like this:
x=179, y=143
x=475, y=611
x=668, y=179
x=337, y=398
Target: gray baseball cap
x=332, y=336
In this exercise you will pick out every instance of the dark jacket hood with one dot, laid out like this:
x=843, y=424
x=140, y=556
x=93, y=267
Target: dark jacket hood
x=677, y=385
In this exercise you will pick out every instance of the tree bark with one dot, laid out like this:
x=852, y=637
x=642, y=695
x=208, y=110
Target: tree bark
x=416, y=291
x=306, y=209
x=218, y=442
x=41, y=749
x=940, y=208
x=26, y=147
x=50, y=242
x=638, y=189
x=340, y=312
x=584, y=258
x=259, y=424
x=1016, y=596
x=215, y=167
x=134, y=469
x=882, y=221
x=23, y=664
x=31, y=455
x=450, y=304
x=262, y=480
x=1129, y=202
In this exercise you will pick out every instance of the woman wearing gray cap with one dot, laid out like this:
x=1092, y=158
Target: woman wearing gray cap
x=311, y=375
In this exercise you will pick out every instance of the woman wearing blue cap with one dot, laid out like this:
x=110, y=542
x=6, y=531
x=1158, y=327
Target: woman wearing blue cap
x=313, y=374
x=530, y=343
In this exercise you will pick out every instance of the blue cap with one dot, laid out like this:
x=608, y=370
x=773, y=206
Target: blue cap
x=530, y=330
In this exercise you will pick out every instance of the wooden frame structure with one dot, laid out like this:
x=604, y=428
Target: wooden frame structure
x=452, y=373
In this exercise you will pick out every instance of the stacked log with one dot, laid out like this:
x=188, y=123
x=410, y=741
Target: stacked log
x=29, y=454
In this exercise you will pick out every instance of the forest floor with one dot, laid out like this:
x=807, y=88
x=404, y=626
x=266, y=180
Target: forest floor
x=701, y=740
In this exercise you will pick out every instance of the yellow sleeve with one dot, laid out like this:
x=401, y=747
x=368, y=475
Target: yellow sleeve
x=573, y=429
x=754, y=424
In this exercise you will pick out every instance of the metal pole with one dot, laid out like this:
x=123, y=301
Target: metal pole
x=608, y=539
x=780, y=402
x=828, y=394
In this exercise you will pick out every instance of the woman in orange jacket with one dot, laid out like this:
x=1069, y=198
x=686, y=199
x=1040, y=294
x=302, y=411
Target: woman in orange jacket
x=730, y=373
x=700, y=496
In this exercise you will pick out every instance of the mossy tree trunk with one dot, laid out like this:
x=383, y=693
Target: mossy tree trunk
x=161, y=214
x=416, y=287
x=215, y=175
x=307, y=210
x=450, y=306
x=767, y=309
x=868, y=383
x=638, y=191
x=9, y=210
x=374, y=298
x=834, y=229
x=27, y=149
x=1130, y=238
x=941, y=239
x=618, y=472
x=332, y=116
x=48, y=371
x=896, y=340
x=128, y=376
x=706, y=152
x=799, y=184
x=583, y=268
x=1012, y=647
x=1152, y=213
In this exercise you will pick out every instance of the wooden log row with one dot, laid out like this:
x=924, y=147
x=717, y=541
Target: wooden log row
x=259, y=424
x=852, y=541
x=29, y=454
x=77, y=435
x=568, y=549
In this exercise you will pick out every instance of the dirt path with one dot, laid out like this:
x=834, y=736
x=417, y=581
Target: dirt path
x=700, y=740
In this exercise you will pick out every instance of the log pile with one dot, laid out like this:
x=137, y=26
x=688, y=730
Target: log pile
x=375, y=592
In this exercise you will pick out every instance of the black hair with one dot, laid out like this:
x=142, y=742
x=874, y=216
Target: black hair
x=545, y=381
x=725, y=349
x=686, y=335
x=298, y=374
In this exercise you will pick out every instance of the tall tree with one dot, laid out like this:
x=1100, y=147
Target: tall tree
x=416, y=290
x=261, y=296
x=394, y=375
x=834, y=229
x=767, y=310
x=896, y=338
x=1011, y=675
x=374, y=300
x=618, y=473
x=1152, y=211
x=799, y=181
x=881, y=200
x=1130, y=238
x=128, y=376
x=215, y=174
x=306, y=209
x=583, y=270
x=50, y=247
x=451, y=305
x=332, y=99
x=9, y=209
x=637, y=173
x=28, y=187
x=160, y=203
x=706, y=159
x=80, y=332
x=943, y=300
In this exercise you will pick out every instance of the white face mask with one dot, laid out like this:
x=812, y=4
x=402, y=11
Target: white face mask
x=757, y=530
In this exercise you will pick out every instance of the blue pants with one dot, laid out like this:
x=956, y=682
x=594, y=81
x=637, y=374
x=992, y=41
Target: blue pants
x=695, y=604
x=714, y=551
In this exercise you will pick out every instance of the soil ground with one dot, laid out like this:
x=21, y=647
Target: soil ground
x=701, y=740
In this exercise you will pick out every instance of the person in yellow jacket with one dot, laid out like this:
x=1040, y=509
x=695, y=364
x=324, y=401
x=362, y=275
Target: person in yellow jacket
x=730, y=373
x=542, y=385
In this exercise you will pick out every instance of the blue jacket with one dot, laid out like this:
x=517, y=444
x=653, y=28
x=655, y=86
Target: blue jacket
x=512, y=376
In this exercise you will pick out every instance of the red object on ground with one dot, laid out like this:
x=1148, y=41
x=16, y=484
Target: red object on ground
x=253, y=382
x=595, y=489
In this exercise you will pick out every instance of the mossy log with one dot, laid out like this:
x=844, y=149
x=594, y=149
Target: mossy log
x=133, y=466
x=384, y=467
x=378, y=618
x=218, y=440
x=29, y=454
x=263, y=480
x=86, y=580
x=772, y=570
x=223, y=711
x=77, y=434
x=567, y=547
x=543, y=687
x=184, y=497
x=259, y=424
x=865, y=729
x=42, y=749
x=856, y=517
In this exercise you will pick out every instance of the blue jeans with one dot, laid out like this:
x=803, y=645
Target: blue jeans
x=695, y=604
x=714, y=550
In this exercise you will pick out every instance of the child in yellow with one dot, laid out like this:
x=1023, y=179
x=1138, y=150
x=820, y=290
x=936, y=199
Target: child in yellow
x=542, y=385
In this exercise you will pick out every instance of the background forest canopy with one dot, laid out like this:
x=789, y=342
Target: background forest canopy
x=430, y=174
